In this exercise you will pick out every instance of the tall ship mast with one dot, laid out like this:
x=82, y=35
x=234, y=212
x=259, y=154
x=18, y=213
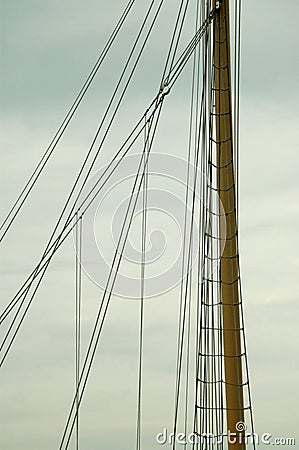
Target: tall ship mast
x=222, y=328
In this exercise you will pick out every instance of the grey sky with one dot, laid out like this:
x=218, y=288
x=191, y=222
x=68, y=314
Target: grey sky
x=47, y=49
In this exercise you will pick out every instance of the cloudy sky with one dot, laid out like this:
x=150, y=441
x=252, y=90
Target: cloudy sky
x=47, y=50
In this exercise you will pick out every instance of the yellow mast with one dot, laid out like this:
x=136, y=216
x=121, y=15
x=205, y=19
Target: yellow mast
x=229, y=270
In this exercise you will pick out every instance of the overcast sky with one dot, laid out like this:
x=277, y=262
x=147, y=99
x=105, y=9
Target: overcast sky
x=47, y=50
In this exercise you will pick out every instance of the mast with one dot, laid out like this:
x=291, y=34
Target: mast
x=229, y=267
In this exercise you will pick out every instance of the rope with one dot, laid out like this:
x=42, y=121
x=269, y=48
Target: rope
x=55, y=243
x=21, y=199
x=78, y=297
x=102, y=312
x=86, y=160
x=142, y=287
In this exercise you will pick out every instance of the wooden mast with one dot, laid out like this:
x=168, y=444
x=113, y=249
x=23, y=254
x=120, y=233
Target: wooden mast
x=229, y=269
